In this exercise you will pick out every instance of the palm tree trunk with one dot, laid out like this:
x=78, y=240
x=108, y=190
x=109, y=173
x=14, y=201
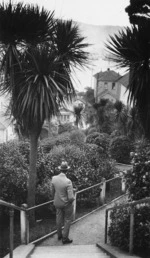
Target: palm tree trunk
x=32, y=174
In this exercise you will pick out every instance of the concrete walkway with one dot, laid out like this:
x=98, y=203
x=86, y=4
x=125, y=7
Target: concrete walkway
x=87, y=231
x=86, y=234
x=90, y=231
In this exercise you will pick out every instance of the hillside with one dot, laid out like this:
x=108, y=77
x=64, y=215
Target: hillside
x=97, y=37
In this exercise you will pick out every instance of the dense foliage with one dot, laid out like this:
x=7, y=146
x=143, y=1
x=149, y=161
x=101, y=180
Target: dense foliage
x=119, y=229
x=87, y=165
x=13, y=174
x=138, y=184
x=120, y=148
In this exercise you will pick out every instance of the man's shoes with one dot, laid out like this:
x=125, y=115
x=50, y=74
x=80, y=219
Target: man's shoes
x=67, y=241
x=60, y=237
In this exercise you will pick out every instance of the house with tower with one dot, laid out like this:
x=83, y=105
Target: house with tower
x=111, y=85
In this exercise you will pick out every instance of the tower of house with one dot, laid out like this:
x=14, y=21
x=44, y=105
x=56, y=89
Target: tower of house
x=111, y=85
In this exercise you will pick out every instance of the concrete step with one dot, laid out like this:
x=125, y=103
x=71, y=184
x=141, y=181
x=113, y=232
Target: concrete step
x=69, y=251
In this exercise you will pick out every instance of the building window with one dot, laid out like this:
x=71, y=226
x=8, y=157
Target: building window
x=113, y=85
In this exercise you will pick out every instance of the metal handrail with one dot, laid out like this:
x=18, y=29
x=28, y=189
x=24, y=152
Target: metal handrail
x=131, y=205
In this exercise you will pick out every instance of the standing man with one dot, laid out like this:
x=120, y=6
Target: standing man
x=62, y=191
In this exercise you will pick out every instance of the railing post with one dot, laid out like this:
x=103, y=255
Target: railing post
x=11, y=214
x=74, y=206
x=131, y=230
x=123, y=185
x=24, y=225
x=103, y=191
x=106, y=225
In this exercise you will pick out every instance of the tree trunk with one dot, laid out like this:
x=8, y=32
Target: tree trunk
x=32, y=174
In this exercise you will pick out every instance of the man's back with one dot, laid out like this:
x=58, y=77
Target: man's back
x=62, y=190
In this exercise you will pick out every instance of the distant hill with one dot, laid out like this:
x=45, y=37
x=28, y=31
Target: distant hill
x=96, y=35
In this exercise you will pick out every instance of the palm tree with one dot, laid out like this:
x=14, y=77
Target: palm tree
x=121, y=116
x=130, y=49
x=37, y=66
x=104, y=115
x=78, y=113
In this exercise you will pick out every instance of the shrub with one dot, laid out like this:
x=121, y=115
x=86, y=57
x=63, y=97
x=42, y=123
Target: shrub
x=120, y=148
x=77, y=137
x=91, y=130
x=120, y=228
x=66, y=127
x=91, y=137
x=138, y=184
x=138, y=179
x=87, y=165
x=60, y=139
x=24, y=149
x=115, y=134
x=13, y=174
x=103, y=142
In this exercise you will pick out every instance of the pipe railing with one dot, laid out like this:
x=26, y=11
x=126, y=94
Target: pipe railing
x=24, y=211
x=131, y=205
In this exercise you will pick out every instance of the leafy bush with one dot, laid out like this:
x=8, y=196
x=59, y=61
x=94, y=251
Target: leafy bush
x=87, y=165
x=120, y=148
x=60, y=139
x=91, y=130
x=103, y=142
x=77, y=137
x=66, y=127
x=138, y=185
x=138, y=179
x=43, y=191
x=120, y=228
x=115, y=134
x=13, y=174
x=91, y=137
x=24, y=149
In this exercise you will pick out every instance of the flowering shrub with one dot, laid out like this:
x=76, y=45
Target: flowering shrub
x=120, y=148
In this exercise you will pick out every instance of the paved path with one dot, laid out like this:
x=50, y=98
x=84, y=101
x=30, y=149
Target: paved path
x=87, y=231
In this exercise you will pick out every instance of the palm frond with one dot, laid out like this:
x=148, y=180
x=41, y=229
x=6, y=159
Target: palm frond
x=131, y=49
x=70, y=44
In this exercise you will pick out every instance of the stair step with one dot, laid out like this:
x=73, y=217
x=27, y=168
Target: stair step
x=70, y=251
x=67, y=248
x=70, y=255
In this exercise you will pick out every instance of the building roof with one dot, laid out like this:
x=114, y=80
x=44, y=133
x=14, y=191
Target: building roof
x=124, y=80
x=108, y=76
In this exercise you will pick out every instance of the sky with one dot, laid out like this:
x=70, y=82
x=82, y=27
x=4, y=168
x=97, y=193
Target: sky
x=97, y=12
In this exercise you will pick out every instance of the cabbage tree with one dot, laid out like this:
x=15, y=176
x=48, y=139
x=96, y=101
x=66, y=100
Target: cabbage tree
x=38, y=53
